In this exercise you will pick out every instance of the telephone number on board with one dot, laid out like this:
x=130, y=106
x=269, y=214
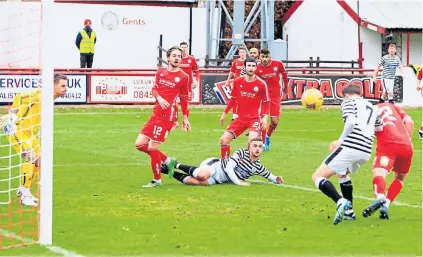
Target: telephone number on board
x=143, y=94
x=72, y=96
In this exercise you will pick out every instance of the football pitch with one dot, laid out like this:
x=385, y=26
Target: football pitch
x=101, y=209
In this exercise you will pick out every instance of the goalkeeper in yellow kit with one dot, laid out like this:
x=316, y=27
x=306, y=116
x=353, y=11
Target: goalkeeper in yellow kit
x=22, y=125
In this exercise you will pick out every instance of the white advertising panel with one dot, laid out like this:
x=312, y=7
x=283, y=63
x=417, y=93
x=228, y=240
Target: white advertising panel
x=126, y=89
x=12, y=84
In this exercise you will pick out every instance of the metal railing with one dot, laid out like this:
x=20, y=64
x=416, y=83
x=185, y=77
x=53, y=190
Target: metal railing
x=293, y=71
x=216, y=63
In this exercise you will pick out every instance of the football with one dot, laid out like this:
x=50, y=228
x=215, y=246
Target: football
x=312, y=99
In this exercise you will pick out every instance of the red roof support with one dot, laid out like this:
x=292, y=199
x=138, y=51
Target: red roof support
x=291, y=10
x=358, y=20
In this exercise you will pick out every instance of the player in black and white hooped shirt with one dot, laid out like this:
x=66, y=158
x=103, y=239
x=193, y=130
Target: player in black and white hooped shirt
x=389, y=63
x=349, y=152
x=243, y=164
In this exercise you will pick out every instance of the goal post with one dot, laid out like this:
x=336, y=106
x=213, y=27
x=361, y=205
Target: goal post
x=47, y=121
x=27, y=45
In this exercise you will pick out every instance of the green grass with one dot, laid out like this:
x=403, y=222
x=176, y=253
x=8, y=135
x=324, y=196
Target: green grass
x=101, y=209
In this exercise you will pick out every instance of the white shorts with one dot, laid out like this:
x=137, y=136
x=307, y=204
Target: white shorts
x=388, y=85
x=217, y=174
x=344, y=158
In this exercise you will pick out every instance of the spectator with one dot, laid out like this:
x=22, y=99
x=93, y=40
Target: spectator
x=85, y=41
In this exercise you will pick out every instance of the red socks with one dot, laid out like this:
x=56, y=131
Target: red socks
x=379, y=187
x=270, y=130
x=156, y=164
x=394, y=189
x=157, y=158
x=225, y=151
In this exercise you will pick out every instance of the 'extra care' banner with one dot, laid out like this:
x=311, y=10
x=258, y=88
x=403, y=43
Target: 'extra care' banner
x=126, y=89
x=215, y=91
x=10, y=85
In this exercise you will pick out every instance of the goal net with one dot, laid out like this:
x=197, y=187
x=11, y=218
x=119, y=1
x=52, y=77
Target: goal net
x=22, y=104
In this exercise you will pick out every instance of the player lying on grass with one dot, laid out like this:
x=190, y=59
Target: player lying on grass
x=394, y=150
x=243, y=164
x=22, y=126
x=350, y=151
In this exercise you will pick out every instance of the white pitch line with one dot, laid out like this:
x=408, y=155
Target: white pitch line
x=250, y=180
x=62, y=251
x=54, y=249
x=316, y=190
x=24, y=239
x=67, y=253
